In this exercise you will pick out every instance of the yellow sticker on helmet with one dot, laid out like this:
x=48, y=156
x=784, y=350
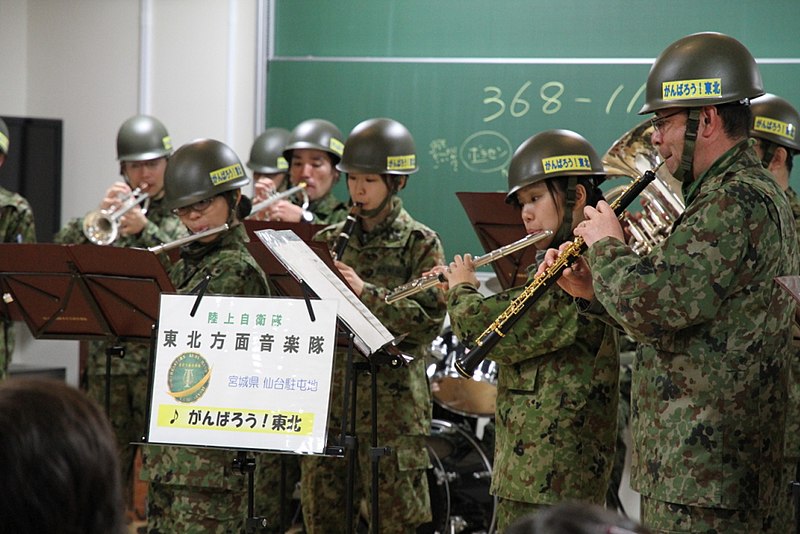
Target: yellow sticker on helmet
x=226, y=174
x=773, y=126
x=401, y=163
x=282, y=163
x=167, y=142
x=336, y=146
x=689, y=89
x=575, y=162
x=3, y=143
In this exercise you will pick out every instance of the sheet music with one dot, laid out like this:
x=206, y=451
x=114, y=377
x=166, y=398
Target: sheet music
x=304, y=265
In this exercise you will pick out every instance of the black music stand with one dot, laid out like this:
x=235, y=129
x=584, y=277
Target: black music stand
x=83, y=292
x=498, y=223
x=386, y=355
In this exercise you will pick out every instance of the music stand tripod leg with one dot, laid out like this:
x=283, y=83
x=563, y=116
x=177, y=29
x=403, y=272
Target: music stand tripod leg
x=247, y=465
x=112, y=350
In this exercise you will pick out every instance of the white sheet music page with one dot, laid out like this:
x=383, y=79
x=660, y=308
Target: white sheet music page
x=304, y=264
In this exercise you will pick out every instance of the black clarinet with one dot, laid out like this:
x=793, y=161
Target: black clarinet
x=344, y=236
x=466, y=365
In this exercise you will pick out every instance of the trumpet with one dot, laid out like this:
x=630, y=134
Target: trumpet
x=424, y=282
x=164, y=247
x=466, y=365
x=264, y=204
x=101, y=227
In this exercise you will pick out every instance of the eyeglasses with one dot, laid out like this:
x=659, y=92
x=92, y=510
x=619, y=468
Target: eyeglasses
x=200, y=206
x=658, y=122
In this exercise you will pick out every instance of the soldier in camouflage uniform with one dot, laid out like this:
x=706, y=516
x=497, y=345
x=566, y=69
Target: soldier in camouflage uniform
x=774, y=126
x=143, y=147
x=557, y=387
x=270, y=168
x=198, y=490
x=16, y=226
x=313, y=151
x=714, y=329
x=387, y=249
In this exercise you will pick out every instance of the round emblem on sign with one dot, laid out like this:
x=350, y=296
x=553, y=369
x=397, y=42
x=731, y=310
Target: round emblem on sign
x=188, y=377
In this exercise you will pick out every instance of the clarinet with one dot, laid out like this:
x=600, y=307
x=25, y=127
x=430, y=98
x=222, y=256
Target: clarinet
x=466, y=364
x=344, y=236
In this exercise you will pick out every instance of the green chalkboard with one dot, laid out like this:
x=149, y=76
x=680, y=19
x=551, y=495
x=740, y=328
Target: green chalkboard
x=473, y=79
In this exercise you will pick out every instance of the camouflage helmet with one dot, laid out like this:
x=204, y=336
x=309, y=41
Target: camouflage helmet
x=266, y=154
x=379, y=146
x=199, y=170
x=702, y=69
x=315, y=134
x=4, y=139
x=552, y=154
x=775, y=120
x=141, y=138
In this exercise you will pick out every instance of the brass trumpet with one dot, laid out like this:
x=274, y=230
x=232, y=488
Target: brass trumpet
x=424, y=282
x=164, y=247
x=101, y=227
x=264, y=204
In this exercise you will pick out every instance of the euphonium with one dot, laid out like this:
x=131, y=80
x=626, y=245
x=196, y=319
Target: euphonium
x=264, y=204
x=344, y=236
x=466, y=365
x=164, y=247
x=101, y=227
x=424, y=282
x=629, y=156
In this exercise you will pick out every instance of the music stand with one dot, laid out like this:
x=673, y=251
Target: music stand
x=314, y=271
x=497, y=223
x=83, y=292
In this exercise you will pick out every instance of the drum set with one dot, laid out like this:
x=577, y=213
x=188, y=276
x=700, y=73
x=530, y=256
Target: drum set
x=461, y=443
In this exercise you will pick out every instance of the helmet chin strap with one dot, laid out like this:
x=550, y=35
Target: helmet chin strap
x=564, y=232
x=684, y=172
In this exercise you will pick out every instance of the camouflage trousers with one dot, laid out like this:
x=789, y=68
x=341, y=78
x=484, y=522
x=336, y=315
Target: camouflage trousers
x=127, y=409
x=786, y=508
x=175, y=509
x=663, y=517
x=403, y=495
x=509, y=511
x=6, y=346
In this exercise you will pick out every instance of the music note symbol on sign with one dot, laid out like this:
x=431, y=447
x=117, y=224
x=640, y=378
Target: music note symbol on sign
x=174, y=418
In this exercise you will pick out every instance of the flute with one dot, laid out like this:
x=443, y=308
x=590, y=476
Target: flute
x=164, y=247
x=424, y=282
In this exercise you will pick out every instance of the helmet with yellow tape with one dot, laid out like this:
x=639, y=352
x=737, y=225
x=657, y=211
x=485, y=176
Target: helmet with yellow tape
x=4, y=139
x=552, y=154
x=142, y=138
x=379, y=146
x=315, y=134
x=775, y=120
x=199, y=170
x=702, y=69
x=266, y=154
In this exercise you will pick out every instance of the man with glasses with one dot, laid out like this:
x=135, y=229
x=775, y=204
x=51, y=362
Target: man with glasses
x=143, y=148
x=714, y=329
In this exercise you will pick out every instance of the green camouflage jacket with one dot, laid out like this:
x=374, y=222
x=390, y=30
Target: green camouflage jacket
x=714, y=331
x=792, y=446
x=397, y=251
x=233, y=272
x=557, y=395
x=328, y=210
x=16, y=226
x=162, y=227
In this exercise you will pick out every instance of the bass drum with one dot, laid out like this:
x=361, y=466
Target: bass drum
x=475, y=397
x=459, y=483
